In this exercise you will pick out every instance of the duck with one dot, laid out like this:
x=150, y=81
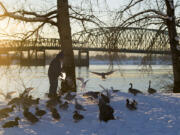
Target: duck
x=77, y=116
x=131, y=105
x=133, y=91
x=106, y=112
x=39, y=112
x=10, y=124
x=30, y=116
x=4, y=115
x=151, y=90
x=64, y=106
x=7, y=110
x=93, y=94
x=69, y=96
x=55, y=114
x=79, y=106
x=103, y=74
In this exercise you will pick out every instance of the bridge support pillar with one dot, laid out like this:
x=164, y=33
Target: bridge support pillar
x=83, y=60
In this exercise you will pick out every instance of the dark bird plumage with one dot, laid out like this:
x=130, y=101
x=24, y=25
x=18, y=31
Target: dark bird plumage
x=105, y=111
x=92, y=94
x=64, y=106
x=55, y=114
x=77, y=116
x=10, y=124
x=30, y=116
x=133, y=91
x=131, y=105
x=103, y=74
x=39, y=112
x=7, y=110
x=69, y=96
x=151, y=90
x=79, y=106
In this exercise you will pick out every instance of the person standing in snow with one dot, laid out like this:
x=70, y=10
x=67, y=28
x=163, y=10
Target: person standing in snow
x=54, y=71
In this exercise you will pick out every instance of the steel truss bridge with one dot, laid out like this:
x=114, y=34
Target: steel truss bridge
x=114, y=39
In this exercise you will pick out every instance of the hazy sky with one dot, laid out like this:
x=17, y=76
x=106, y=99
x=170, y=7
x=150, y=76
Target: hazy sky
x=11, y=26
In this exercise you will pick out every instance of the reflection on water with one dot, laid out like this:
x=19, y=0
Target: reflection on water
x=16, y=78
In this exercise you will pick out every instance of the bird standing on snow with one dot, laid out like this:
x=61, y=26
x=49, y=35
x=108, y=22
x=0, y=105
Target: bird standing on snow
x=131, y=105
x=64, y=106
x=79, y=106
x=103, y=74
x=83, y=83
x=10, y=124
x=29, y=116
x=55, y=114
x=39, y=112
x=151, y=90
x=105, y=110
x=133, y=91
x=77, y=116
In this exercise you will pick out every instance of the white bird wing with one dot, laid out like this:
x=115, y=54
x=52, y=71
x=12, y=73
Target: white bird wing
x=102, y=87
x=63, y=76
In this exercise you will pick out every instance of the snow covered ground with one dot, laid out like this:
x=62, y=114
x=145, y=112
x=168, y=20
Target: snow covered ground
x=157, y=114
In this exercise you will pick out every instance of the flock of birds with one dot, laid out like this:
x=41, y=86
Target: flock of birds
x=24, y=101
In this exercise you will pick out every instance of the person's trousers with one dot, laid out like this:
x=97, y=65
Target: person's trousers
x=53, y=81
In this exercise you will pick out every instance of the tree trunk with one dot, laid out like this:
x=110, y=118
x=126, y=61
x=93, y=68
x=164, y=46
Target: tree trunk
x=173, y=45
x=66, y=43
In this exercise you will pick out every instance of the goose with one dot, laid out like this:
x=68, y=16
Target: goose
x=64, y=106
x=79, y=106
x=39, y=112
x=105, y=110
x=10, y=124
x=133, y=91
x=151, y=90
x=131, y=105
x=77, y=116
x=83, y=83
x=55, y=114
x=103, y=74
x=30, y=116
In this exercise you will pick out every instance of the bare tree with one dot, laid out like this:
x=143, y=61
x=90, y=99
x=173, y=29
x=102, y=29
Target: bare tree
x=159, y=14
x=60, y=18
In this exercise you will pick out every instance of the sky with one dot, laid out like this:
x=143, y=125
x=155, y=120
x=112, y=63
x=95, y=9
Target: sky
x=11, y=27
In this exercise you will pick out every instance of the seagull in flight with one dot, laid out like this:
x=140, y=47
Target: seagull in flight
x=104, y=74
x=83, y=82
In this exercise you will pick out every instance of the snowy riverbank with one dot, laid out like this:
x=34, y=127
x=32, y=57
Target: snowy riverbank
x=157, y=114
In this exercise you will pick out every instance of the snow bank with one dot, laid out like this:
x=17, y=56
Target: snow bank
x=157, y=114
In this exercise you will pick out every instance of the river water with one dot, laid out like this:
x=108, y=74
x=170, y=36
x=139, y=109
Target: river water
x=17, y=78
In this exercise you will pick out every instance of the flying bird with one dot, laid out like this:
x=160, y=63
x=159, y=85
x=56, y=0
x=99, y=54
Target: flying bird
x=83, y=82
x=104, y=74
